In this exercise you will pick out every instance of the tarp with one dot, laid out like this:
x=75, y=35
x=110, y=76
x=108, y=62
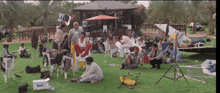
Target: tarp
x=171, y=31
x=209, y=67
x=197, y=40
x=101, y=17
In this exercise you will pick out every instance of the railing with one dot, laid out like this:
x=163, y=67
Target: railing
x=25, y=35
x=116, y=32
x=149, y=26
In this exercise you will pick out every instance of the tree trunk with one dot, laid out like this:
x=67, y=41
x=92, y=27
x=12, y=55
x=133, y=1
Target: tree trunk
x=167, y=28
x=211, y=31
x=10, y=34
x=194, y=26
x=45, y=22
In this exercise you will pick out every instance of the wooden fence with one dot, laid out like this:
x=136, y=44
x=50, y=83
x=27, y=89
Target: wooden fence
x=181, y=28
x=25, y=35
x=116, y=32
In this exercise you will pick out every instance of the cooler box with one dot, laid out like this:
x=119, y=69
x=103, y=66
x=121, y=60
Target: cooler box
x=41, y=84
x=145, y=59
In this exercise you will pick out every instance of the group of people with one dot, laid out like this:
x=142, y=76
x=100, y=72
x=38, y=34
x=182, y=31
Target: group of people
x=155, y=56
x=77, y=42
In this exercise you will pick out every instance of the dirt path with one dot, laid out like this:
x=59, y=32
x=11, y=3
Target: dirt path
x=15, y=41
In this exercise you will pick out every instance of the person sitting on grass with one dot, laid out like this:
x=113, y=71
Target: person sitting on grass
x=5, y=53
x=92, y=74
x=83, y=46
x=23, y=52
x=155, y=56
x=171, y=50
x=133, y=59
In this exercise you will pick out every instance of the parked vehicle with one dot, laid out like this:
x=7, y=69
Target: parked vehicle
x=198, y=26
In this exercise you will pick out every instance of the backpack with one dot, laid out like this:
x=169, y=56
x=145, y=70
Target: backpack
x=45, y=74
x=36, y=69
x=23, y=87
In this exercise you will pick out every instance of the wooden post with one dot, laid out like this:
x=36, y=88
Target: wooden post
x=81, y=18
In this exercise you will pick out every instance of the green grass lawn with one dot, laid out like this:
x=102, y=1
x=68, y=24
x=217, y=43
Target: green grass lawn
x=111, y=82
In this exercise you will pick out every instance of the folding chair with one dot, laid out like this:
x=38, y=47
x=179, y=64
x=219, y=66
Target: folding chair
x=62, y=66
x=47, y=61
x=78, y=59
x=8, y=64
x=107, y=49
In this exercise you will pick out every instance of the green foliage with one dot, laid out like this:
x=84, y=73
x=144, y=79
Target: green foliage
x=140, y=32
x=12, y=14
x=214, y=25
x=163, y=11
x=139, y=15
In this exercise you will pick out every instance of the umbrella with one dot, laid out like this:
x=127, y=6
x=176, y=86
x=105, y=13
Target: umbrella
x=101, y=17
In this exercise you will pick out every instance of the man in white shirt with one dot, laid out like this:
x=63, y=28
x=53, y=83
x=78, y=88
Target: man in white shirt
x=160, y=44
x=92, y=74
x=23, y=52
x=125, y=43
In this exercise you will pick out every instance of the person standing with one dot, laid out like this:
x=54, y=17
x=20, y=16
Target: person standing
x=59, y=36
x=74, y=34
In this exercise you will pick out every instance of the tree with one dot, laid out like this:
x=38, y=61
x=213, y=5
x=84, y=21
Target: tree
x=166, y=12
x=210, y=6
x=139, y=15
x=195, y=12
x=46, y=12
x=12, y=14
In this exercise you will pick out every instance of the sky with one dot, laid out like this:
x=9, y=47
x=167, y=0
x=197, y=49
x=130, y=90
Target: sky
x=145, y=3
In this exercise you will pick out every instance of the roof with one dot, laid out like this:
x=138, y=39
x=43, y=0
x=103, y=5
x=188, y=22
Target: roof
x=104, y=5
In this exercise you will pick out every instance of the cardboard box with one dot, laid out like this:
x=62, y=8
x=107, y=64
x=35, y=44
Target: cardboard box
x=41, y=84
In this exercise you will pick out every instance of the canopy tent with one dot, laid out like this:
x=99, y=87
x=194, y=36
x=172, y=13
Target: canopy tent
x=101, y=17
x=106, y=6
